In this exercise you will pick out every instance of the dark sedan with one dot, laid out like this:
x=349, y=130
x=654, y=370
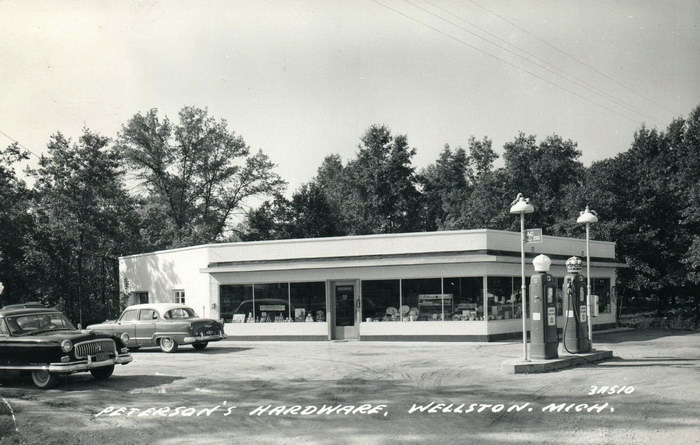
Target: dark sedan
x=43, y=342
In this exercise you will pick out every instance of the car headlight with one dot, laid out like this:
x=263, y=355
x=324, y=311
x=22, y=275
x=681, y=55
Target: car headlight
x=125, y=338
x=66, y=345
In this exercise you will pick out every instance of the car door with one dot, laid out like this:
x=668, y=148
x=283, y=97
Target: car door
x=146, y=326
x=4, y=345
x=127, y=323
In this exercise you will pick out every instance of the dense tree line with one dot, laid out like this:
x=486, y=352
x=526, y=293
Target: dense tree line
x=159, y=184
x=647, y=197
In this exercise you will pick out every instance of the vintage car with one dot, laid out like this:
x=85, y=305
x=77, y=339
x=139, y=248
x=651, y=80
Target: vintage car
x=166, y=325
x=42, y=341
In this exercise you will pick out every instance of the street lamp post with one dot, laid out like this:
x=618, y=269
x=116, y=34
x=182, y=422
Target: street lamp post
x=588, y=217
x=521, y=206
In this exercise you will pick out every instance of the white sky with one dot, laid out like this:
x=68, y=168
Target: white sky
x=303, y=79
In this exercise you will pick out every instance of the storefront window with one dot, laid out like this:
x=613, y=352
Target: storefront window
x=380, y=300
x=271, y=302
x=423, y=299
x=308, y=301
x=236, y=301
x=601, y=287
x=504, y=299
x=468, y=298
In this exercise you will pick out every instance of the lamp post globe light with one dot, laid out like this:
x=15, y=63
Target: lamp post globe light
x=521, y=206
x=588, y=217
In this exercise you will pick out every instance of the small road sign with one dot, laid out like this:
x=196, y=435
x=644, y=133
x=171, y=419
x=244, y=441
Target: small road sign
x=533, y=236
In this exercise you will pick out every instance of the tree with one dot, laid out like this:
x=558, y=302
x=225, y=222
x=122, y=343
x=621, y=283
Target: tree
x=17, y=224
x=84, y=219
x=382, y=185
x=307, y=215
x=481, y=158
x=448, y=185
x=197, y=171
x=646, y=199
x=544, y=173
x=445, y=186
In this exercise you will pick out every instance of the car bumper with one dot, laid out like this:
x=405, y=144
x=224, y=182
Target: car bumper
x=203, y=338
x=86, y=365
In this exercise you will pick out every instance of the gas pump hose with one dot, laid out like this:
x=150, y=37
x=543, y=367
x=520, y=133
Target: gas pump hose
x=578, y=327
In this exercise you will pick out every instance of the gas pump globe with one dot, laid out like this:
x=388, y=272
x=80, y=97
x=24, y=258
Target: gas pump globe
x=544, y=339
x=576, y=325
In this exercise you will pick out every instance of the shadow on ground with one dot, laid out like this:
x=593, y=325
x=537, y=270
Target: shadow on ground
x=190, y=350
x=85, y=382
x=637, y=335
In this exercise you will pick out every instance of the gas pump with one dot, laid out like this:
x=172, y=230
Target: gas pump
x=576, y=325
x=544, y=338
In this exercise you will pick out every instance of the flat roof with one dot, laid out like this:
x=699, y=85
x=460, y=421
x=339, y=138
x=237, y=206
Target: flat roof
x=354, y=238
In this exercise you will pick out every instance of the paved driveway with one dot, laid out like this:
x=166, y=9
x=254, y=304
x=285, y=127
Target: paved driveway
x=376, y=392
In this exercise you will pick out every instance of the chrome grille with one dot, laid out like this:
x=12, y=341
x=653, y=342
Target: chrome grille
x=92, y=347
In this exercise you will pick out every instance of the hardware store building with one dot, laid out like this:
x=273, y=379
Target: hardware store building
x=432, y=286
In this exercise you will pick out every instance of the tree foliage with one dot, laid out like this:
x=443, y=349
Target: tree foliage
x=84, y=219
x=16, y=223
x=196, y=171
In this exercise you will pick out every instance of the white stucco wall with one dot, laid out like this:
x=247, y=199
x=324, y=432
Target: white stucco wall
x=161, y=273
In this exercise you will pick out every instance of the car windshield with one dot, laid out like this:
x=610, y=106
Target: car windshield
x=181, y=312
x=27, y=324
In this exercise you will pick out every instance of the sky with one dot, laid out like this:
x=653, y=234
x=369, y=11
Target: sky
x=304, y=79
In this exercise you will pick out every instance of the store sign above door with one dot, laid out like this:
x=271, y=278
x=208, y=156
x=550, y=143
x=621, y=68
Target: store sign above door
x=533, y=236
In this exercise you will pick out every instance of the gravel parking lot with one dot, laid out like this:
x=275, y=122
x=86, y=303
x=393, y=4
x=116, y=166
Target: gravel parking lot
x=381, y=393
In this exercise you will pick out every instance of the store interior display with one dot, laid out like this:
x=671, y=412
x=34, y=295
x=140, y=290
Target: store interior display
x=431, y=306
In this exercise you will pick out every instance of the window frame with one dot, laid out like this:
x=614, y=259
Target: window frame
x=139, y=294
x=121, y=317
x=287, y=284
x=180, y=296
x=157, y=315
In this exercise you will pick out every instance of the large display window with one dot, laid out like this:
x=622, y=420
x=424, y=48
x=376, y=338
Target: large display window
x=273, y=302
x=504, y=297
x=308, y=301
x=235, y=299
x=468, y=298
x=423, y=300
x=601, y=288
x=380, y=300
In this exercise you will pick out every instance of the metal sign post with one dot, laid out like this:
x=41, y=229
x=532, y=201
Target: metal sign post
x=588, y=217
x=521, y=206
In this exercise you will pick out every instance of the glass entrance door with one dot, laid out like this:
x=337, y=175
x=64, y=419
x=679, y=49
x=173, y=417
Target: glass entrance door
x=345, y=313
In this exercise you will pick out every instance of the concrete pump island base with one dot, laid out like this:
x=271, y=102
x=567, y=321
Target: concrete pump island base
x=562, y=362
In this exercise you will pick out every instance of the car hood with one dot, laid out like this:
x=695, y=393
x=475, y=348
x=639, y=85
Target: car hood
x=74, y=336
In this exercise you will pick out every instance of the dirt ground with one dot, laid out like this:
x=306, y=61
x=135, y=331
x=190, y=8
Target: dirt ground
x=374, y=386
